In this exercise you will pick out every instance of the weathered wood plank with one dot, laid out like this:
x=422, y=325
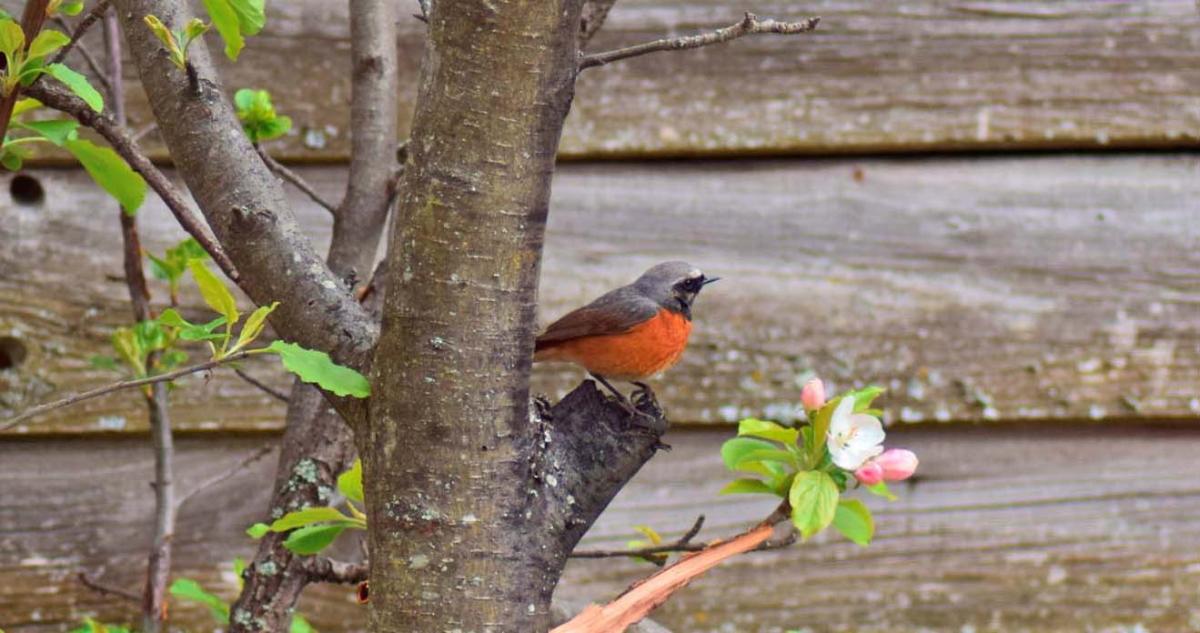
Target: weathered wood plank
x=1025, y=288
x=1016, y=528
x=876, y=76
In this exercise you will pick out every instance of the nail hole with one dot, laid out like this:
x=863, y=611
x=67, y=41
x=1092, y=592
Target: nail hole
x=26, y=190
x=12, y=352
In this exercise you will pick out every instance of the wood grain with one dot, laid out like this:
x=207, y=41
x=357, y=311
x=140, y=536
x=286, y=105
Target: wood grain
x=987, y=289
x=1016, y=528
x=924, y=75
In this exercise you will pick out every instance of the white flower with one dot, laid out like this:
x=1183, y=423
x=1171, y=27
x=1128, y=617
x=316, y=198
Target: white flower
x=854, y=438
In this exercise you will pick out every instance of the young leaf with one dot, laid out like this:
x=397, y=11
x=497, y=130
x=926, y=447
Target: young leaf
x=854, y=521
x=254, y=325
x=311, y=539
x=57, y=132
x=25, y=105
x=46, y=42
x=168, y=40
x=111, y=172
x=746, y=487
x=225, y=18
x=258, y=116
x=258, y=530
x=308, y=516
x=78, y=84
x=239, y=570
x=350, y=482
x=215, y=294
x=881, y=490
x=189, y=589
x=316, y=367
x=12, y=40
x=814, y=500
x=768, y=431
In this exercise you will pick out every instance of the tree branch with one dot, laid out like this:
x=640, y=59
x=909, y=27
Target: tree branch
x=91, y=17
x=682, y=544
x=56, y=97
x=262, y=386
x=296, y=181
x=322, y=569
x=644, y=596
x=224, y=476
x=42, y=409
x=595, y=12
x=750, y=25
x=359, y=221
x=242, y=199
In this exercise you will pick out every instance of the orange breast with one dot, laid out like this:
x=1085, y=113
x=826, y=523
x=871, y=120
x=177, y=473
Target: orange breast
x=649, y=348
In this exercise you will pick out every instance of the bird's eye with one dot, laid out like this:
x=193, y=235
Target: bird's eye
x=692, y=284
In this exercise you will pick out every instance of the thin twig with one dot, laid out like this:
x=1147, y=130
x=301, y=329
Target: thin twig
x=106, y=590
x=93, y=64
x=85, y=23
x=58, y=98
x=321, y=569
x=267, y=389
x=750, y=25
x=227, y=474
x=682, y=544
x=645, y=595
x=296, y=180
x=75, y=398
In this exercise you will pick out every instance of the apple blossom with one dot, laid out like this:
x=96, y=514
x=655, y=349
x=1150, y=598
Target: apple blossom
x=896, y=464
x=853, y=437
x=869, y=474
x=812, y=395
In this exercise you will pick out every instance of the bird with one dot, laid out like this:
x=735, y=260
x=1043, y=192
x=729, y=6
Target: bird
x=631, y=333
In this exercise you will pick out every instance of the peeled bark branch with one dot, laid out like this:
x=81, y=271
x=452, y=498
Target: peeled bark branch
x=750, y=25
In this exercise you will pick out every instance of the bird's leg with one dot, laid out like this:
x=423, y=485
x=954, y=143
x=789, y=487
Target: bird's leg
x=623, y=401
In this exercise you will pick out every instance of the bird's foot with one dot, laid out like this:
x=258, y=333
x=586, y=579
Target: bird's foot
x=644, y=398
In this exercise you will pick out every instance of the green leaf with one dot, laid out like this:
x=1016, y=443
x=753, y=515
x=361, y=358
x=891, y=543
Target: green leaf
x=300, y=625
x=150, y=336
x=188, y=589
x=239, y=570
x=193, y=29
x=854, y=521
x=252, y=15
x=864, y=397
x=225, y=18
x=57, y=132
x=46, y=42
x=350, y=482
x=254, y=325
x=25, y=105
x=12, y=160
x=733, y=452
x=311, y=539
x=167, y=38
x=111, y=172
x=746, y=487
x=258, y=116
x=78, y=84
x=215, y=294
x=316, y=367
x=767, y=431
x=814, y=500
x=258, y=530
x=881, y=490
x=71, y=7
x=12, y=40
x=125, y=342
x=768, y=455
x=308, y=516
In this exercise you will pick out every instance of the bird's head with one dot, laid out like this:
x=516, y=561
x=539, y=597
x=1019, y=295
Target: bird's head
x=674, y=285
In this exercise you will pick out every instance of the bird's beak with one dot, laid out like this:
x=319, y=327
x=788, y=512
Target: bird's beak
x=710, y=280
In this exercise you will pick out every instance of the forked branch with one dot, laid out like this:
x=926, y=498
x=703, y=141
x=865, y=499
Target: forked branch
x=750, y=25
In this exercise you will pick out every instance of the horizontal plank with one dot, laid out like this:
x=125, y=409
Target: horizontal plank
x=1029, y=528
x=1029, y=288
x=875, y=77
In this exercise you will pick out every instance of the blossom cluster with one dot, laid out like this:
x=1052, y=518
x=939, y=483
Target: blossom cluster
x=855, y=441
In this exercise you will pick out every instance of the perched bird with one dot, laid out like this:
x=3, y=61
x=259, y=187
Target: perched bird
x=631, y=333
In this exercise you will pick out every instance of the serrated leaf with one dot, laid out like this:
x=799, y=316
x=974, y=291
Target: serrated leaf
x=746, y=487
x=225, y=19
x=78, y=84
x=215, y=294
x=350, y=483
x=308, y=516
x=814, y=500
x=57, y=132
x=254, y=325
x=854, y=521
x=46, y=42
x=312, y=539
x=751, y=427
x=111, y=173
x=258, y=530
x=188, y=589
x=316, y=367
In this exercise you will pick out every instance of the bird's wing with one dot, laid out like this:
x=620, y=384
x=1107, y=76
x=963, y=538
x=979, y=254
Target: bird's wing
x=616, y=312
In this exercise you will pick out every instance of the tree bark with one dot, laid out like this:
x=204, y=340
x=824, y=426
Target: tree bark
x=457, y=532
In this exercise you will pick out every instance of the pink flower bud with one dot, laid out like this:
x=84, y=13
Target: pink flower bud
x=897, y=464
x=813, y=395
x=869, y=474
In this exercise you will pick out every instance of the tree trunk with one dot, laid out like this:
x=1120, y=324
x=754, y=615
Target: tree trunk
x=457, y=537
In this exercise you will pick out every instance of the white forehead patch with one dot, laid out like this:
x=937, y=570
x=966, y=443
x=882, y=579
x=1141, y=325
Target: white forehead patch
x=694, y=273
